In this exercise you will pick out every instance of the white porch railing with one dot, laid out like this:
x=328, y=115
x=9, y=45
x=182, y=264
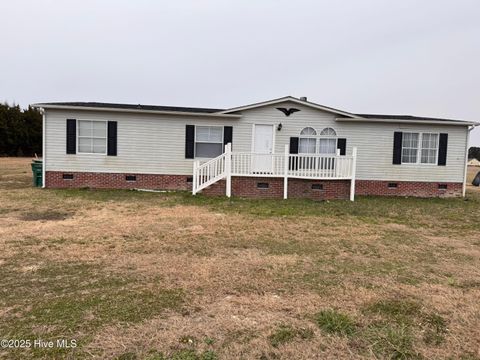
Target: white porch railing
x=208, y=173
x=300, y=166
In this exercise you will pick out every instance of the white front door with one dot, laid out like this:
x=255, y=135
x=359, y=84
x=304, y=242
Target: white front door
x=262, y=148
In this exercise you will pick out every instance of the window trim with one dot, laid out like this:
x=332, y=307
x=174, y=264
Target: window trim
x=419, y=149
x=206, y=142
x=90, y=137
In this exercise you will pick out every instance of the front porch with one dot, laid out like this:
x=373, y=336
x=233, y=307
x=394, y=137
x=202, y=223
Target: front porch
x=285, y=166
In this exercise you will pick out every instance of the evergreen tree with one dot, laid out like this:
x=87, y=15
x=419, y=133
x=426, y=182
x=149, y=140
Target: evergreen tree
x=474, y=153
x=20, y=131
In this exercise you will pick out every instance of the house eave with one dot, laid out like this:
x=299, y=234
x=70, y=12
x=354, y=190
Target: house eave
x=406, y=121
x=138, y=111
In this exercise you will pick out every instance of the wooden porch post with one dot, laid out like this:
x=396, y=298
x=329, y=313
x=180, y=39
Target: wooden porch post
x=285, y=172
x=354, y=174
x=228, y=169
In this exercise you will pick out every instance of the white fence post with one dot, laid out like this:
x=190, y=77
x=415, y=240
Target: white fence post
x=354, y=174
x=285, y=172
x=337, y=163
x=228, y=169
x=195, y=176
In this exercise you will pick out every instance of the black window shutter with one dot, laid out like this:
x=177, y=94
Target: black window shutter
x=227, y=135
x=71, y=136
x=293, y=163
x=342, y=146
x=397, y=148
x=112, y=138
x=190, y=142
x=294, y=145
x=442, y=150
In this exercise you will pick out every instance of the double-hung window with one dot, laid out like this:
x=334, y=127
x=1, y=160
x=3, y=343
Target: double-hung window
x=419, y=148
x=429, y=152
x=327, y=146
x=410, y=148
x=92, y=137
x=208, y=141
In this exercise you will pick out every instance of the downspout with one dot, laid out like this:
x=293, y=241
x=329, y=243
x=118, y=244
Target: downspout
x=470, y=128
x=44, y=163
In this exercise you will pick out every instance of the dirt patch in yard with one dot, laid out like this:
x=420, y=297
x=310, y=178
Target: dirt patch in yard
x=47, y=215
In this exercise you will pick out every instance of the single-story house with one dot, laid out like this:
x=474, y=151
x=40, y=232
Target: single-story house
x=281, y=148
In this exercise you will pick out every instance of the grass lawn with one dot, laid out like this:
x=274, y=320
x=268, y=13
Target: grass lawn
x=135, y=275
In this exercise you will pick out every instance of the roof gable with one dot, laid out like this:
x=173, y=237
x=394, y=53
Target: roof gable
x=294, y=100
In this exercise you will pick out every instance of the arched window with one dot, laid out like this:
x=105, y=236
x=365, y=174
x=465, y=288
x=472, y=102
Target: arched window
x=328, y=132
x=308, y=131
x=307, y=144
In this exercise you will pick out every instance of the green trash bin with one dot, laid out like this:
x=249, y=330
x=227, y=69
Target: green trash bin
x=37, y=172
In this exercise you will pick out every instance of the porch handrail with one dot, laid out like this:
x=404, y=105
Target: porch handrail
x=209, y=172
x=317, y=166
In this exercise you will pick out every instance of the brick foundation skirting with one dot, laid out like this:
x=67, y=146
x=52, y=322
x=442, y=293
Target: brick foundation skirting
x=408, y=188
x=254, y=187
x=55, y=179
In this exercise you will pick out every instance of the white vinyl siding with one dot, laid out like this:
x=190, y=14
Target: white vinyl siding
x=155, y=144
x=91, y=137
x=208, y=141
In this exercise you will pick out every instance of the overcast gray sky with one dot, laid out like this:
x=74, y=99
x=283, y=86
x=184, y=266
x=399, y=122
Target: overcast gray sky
x=377, y=56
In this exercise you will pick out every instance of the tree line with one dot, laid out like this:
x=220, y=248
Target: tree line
x=20, y=131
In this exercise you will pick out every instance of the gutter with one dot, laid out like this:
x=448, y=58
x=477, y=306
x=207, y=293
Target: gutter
x=44, y=146
x=159, y=112
x=407, y=121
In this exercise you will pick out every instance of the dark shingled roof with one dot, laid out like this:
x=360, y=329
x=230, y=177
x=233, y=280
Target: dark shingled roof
x=211, y=111
x=135, y=107
x=403, y=117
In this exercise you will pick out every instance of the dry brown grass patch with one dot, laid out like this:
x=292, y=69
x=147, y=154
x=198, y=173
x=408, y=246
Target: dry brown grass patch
x=236, y=277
